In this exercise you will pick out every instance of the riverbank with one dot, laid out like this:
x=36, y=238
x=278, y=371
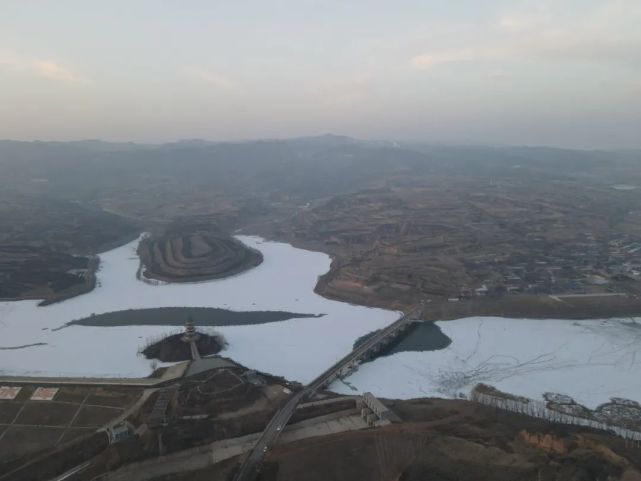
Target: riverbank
x=536, y=307
x=514, y=305
x=88, y=284
x=526, y=306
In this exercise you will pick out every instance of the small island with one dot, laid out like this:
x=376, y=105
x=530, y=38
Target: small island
x=194, y=257
x=184, y=346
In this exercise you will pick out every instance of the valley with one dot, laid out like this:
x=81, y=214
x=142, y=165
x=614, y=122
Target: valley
x=524, y=272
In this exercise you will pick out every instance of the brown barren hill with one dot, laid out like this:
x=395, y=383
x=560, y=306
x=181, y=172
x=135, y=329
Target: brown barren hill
x=195, y=257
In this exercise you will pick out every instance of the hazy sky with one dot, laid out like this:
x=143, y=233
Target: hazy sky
x=556, y=72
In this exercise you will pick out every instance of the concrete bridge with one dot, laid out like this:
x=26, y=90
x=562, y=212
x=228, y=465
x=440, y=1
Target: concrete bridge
x=374, y=412
x=250, y=467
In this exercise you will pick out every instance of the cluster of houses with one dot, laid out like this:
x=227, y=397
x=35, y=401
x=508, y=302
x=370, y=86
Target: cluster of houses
x=587, y=266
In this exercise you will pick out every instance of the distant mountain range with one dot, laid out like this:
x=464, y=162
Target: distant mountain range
x=305, y=166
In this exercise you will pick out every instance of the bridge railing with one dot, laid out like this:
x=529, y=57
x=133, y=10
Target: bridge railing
x=333, y=372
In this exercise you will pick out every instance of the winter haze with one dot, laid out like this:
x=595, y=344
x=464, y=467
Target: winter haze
x=562, y=73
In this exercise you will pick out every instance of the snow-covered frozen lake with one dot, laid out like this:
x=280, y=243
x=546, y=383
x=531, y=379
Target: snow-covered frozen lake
x=591, y=361
x=588, y=360
x=297, y=349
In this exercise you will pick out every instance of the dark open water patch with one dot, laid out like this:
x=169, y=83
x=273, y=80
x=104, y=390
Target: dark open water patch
x=422, y=336
x=176, y=316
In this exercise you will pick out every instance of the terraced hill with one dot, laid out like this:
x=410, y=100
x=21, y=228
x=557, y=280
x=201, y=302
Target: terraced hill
x=195, y=257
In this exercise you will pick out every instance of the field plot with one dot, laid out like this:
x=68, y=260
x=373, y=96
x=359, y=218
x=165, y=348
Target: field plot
x=53, y=414
x=44, y=394
x=19, y=441
x=92, y=416
x=8, y=392
x=8, y=412
x=41, y=418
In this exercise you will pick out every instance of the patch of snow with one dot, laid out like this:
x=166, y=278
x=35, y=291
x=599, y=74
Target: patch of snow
x=591, y=361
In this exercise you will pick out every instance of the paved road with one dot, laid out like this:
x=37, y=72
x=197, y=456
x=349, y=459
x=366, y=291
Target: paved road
x=195, y=354
x=171, y=374
x=250, y=467
x=72, y=471
x=201, y=457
